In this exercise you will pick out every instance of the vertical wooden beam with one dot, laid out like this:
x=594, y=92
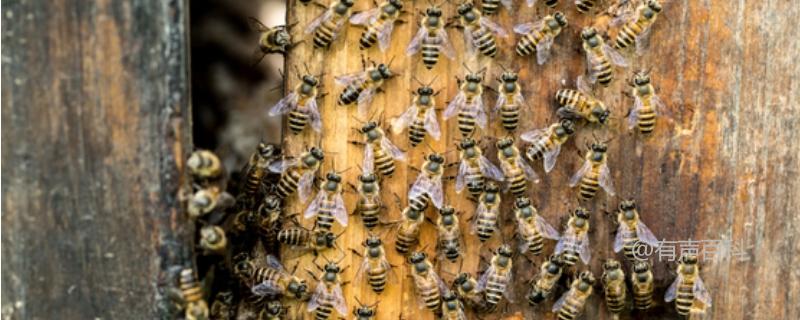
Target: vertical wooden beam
x=95, y=106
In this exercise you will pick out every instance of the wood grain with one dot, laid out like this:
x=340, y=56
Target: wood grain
x=96, y=126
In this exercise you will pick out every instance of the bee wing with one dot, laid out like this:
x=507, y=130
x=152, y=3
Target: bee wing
x=392, y=150
x=401, y=123
x=528, y=170
x=479, y=212
x=606, y=180
x=319, y=292
x=364, y=99
x=557, y=306
x=266, y=288
x=431, y=124
x=525, y=28
x=659, y=105
x=256, y=25
x=369, y=158
x=363, y=269
x=578, y=175
x=436, y=192
x=318, y=21
x=282, y=165
x=550, y=158
x=313, y=207
x=565, y=240
x=340, y=212
x=584, y=86
x=485, y=277
x=615, y=57
x=313, y=110
x=673, y=288
x=619, y=240
x=480, y=114
x=534, y=135
x=346, y=79
x=416, y=42
x=462, y=171
x=633, y=115
x=338, y=300
x=447, y=46
x=531, y=3
x=546, y=229
x=645, y=235
x=365, y=17
x=700, y=291
x=543, y=50
x=501, y=100
x=454, y=105
x=509, y=291
x=583, y=248
x=288, y=103
x=643, y=41
x=523, y=245
x=385, y=36
x=274, y=263
x=469, y=42
x=622, y=18
x=494, y=27
x=304, y=185
x=506, y=4
x=591, y=65
x=489, y=170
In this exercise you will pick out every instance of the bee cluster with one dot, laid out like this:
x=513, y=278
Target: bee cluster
x=252, y=210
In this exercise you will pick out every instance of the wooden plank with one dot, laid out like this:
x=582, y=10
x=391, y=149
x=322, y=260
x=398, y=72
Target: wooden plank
x=722, y=167
x=96, y=126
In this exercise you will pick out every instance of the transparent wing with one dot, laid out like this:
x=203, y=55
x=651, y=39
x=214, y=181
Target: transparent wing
x=339, y=212
x=525, y=28
x=480, y=212
x=266, y=288
x=364, y=99
x=431, y=124
x=591, y=65
x=615, y=57
x=565, y=241
x=274, y=263
x=462, y=171
x=506, y=4
x=282, y=165
x=318, y=21
x=673, y=288
x=416, y=42
x=454, y=105
x=494, y=27
x=346, y=79
x=643, y=41
x=546, y=229
x=489, y=170
x=633, y=116
x=659, y=105
x=304, y=186
x=362, y=270
x=436, y=192
x=606, y=180
x=645, y=235
x=560, y=302
x=480, y=114
x=619, y=240
x=700, y=291
x=447, y=46
x=365, y=17
x=401, y=123
x=392, y=150
x=369, y=158
x=256, y=25
x=485, y=277
x=550, y=158
x=319, y=292
x=313, y=111
x=501, y=100
x=534, y=135
x=313, y=207
x=338, y=300
x=531, y=3
x=469, y=42
x=385, y=35
x=578, y=175
x=583, y=85
x=583, y=248
x=528, y=170
x=288, y=103
x=543, y=50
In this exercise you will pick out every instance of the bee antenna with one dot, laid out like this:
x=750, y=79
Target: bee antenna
x=305, y=64
x=429, y=147
x=467, y=67
x=357, y=119
x=432, y=80
x=374, y=304
x=358, y=301
x=502, y=66
x=417, y=80
x=297, y=72
x=343, y=171
x=390, y=61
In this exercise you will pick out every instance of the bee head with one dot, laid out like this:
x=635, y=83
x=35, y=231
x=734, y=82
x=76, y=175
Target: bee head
x=330, y=239
x=272, y=202
x=560, y=18
x=522, y=202
x=589, y=35
x=491, y=187
x=425, y=91
x=243, y=268
x=274, y=307
x=332, y=267
x=654, y=6
x=396, y=3
x=433, y=12
x=369, y=126
x=310, y=80
x=465, y=8
x=611, y=264
x=317, y=153
x=689, y=258
x=509, y=76
x=384, y=70
x=282, y=37
x=568, y=126
x=582, y=213
x=417, y=257
x=266, y=150
x=587, y=277
x=209, y=234
x=627, y=205
x=447, y=211
x=449, y=296
x=365, y=311
x=298, y=288
x=641, y=266
x=601, y=113
x=373, y=241
x=435, y=157
x=505, y=250
x=368, y=177
x=641, y=78
x=347, y=3
x=474, y=77
x=556, y=260
x=599, y=147
x=505, y=143
x=333, y=176
x=461, y=278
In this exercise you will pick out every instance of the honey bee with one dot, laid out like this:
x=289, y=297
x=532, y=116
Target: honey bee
x=484, y=223
x=328, y=205
x=297, y=173
x=496, y=279
x=379, y=23
x=585, y=6
x=614, y=285
x=428, y=285
x=257, y=169
x=638, y=26
x=222, y=308
x=270, y=220
x=369, y=202
x=490, y=7
x=273, y=280
x=531, y=227
x=466, y=287
x=688, y=289
x=408, y=231
x=204, y=166
x=365, y=312
x=432, y=38
x=274, y=310
x=192, y=294
x=572, y=302
x=642, y=285
x=549, y=3
x=517, y=172
x=313, y=240
x=647, y=105
x=581, y=104
x=326, y=26
x=428, y=186
x=419, y=118
x=594, y=173
x=301, y=105
x=272, y=40
x=449, y=242
x=375, y=266
x=600, y=57
x=632, y=231
x=468, y=104
x=546, y=143
x=474, y=168
x=479, y=31
x=509, y=100
x=328, y=295
x=213, y=240
x=549, y=274
x=575, y=240
x=452, y=308
x=361, y=86
x=206, y=200
x=539, y=36
x=379, y=151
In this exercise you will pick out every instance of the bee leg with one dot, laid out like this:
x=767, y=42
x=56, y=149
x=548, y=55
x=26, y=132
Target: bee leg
x=358, y=143
x=319, y=4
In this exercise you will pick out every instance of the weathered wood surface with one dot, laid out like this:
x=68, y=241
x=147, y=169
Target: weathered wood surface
x=96, y=126
x=723, y=167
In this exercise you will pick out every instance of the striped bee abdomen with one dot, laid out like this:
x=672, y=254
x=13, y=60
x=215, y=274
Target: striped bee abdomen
x=647, y=120
x=589, y=185
x=430, y=51
x=485, y=41
x=297, y=121
x=416, y=133
x=584, y=6
x=377, y=280
x=294, y=236
x=323, y=35
x=287, y=185
x=527, y=44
